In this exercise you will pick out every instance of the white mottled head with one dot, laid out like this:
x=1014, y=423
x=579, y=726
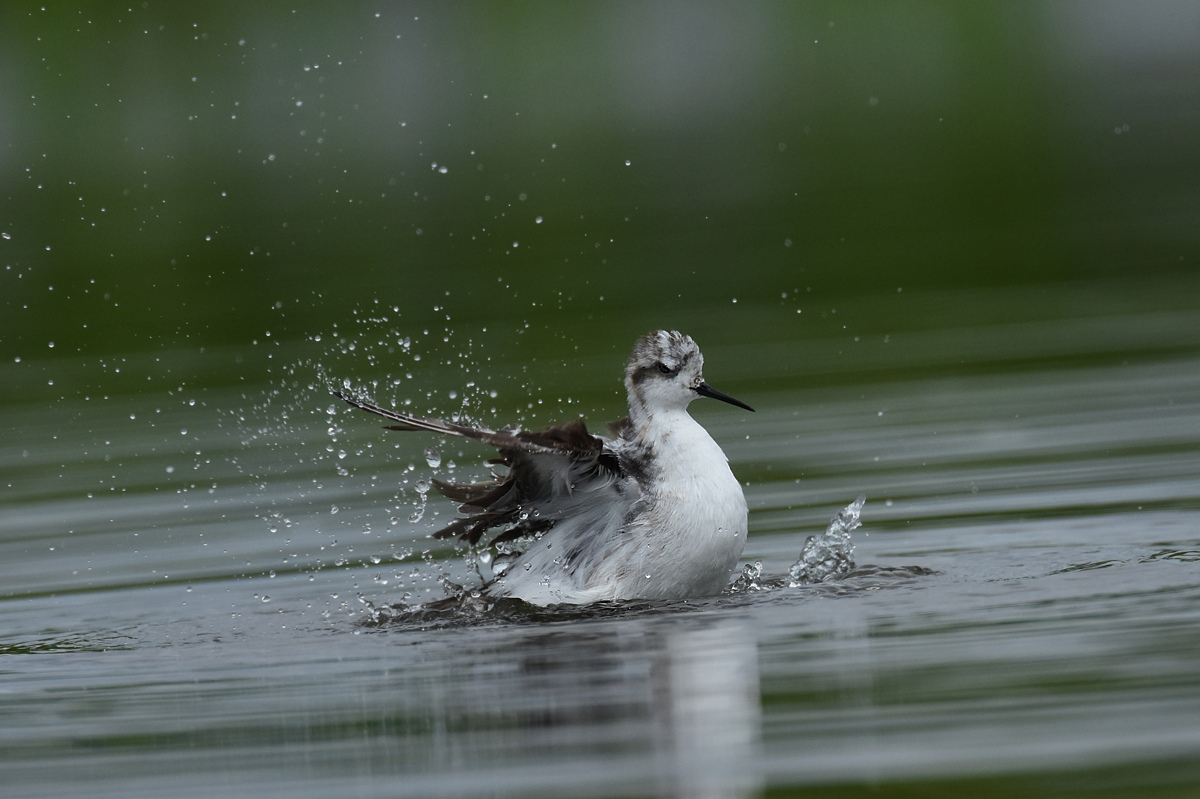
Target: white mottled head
x=665, y=372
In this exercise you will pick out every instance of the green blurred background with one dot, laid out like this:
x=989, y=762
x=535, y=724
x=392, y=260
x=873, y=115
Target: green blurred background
x=192, y=194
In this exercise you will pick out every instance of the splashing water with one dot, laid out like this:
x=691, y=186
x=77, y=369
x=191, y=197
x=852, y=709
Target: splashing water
x=422, y=498
x=826, y=558
x=750, y=579
x=830, y=555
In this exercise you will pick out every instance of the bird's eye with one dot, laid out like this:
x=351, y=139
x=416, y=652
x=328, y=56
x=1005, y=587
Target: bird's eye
x=663, y=369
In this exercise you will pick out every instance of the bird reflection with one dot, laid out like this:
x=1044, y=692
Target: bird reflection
x=707, y=715
x=666, y=705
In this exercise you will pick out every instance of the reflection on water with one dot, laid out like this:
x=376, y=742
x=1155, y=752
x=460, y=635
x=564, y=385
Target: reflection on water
x=707, y=714
x=672, y=704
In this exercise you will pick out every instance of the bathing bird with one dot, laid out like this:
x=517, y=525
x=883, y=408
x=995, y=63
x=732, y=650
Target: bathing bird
x=651, y=511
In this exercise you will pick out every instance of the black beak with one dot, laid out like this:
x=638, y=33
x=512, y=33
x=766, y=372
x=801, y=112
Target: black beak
x=705, y=390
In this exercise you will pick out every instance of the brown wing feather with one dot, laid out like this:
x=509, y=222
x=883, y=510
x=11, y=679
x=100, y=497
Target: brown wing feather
x=621, y=428
x=504, y=501
x=500, y=502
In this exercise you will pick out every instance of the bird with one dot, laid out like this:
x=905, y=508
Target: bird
x=651, y=512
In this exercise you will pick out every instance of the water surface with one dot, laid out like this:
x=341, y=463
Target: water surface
x=1024, y=610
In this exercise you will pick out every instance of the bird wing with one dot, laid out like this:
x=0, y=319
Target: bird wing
x=567, y=438
x=551, y=473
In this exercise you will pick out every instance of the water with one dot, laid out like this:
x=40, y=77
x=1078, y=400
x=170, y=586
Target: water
x=948, y=252
x=1022, y=610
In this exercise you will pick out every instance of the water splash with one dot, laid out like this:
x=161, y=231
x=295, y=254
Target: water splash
x=473, y=607
x=419, y=506
x=828, y=556
x=750, y=579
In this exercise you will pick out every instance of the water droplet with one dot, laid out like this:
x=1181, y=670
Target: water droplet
x=433, y=458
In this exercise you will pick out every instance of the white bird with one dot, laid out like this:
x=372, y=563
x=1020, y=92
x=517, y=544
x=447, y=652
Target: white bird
x=652, y=513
